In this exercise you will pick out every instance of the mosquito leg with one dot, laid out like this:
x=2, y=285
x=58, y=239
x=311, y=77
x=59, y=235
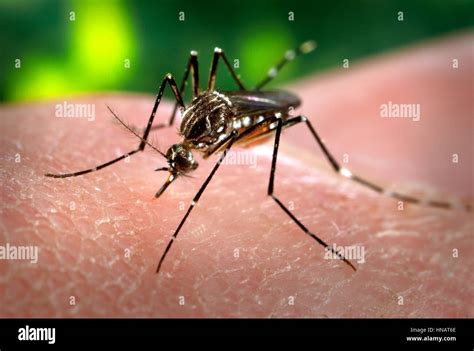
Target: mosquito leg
x=168, y=79
x=196, y=198
x=179, y=100
x=290, y=55
x=270, y=124
x=193, y=67
x=218, y=53
x=65, y=175
x=348, y=174
x=288, y=212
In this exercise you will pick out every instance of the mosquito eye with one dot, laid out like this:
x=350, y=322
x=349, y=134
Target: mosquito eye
x=189, y=156
x=184, y=161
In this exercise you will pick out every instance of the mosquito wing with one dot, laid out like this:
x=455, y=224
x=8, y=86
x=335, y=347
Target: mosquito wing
x=248, y=103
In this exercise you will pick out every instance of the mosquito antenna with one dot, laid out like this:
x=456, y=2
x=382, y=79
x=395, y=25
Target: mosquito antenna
x=135, y=133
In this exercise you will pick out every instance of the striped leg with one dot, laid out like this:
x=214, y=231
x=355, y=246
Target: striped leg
x=290, y=55
x=287, y=211
x=191, y=67
x=218, y=53
x=168, y=79
x=196, y=199
x=348, y=174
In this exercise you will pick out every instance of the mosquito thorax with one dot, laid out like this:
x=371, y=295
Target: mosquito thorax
x=207, y=120
x=181, y=159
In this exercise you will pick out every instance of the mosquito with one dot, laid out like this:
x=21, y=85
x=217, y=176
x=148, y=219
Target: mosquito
x=215, y=121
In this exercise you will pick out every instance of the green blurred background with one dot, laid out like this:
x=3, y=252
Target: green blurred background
x=130, y=45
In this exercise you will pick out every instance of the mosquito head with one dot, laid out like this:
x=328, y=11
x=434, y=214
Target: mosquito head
x=181, y=161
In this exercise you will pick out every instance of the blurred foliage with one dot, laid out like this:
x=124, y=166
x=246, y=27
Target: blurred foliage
x=60, y=56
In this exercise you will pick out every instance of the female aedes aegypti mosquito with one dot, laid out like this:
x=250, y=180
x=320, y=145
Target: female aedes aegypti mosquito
x=217, y=120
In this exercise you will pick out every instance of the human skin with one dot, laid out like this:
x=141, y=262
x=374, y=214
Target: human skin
x=100, y=235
